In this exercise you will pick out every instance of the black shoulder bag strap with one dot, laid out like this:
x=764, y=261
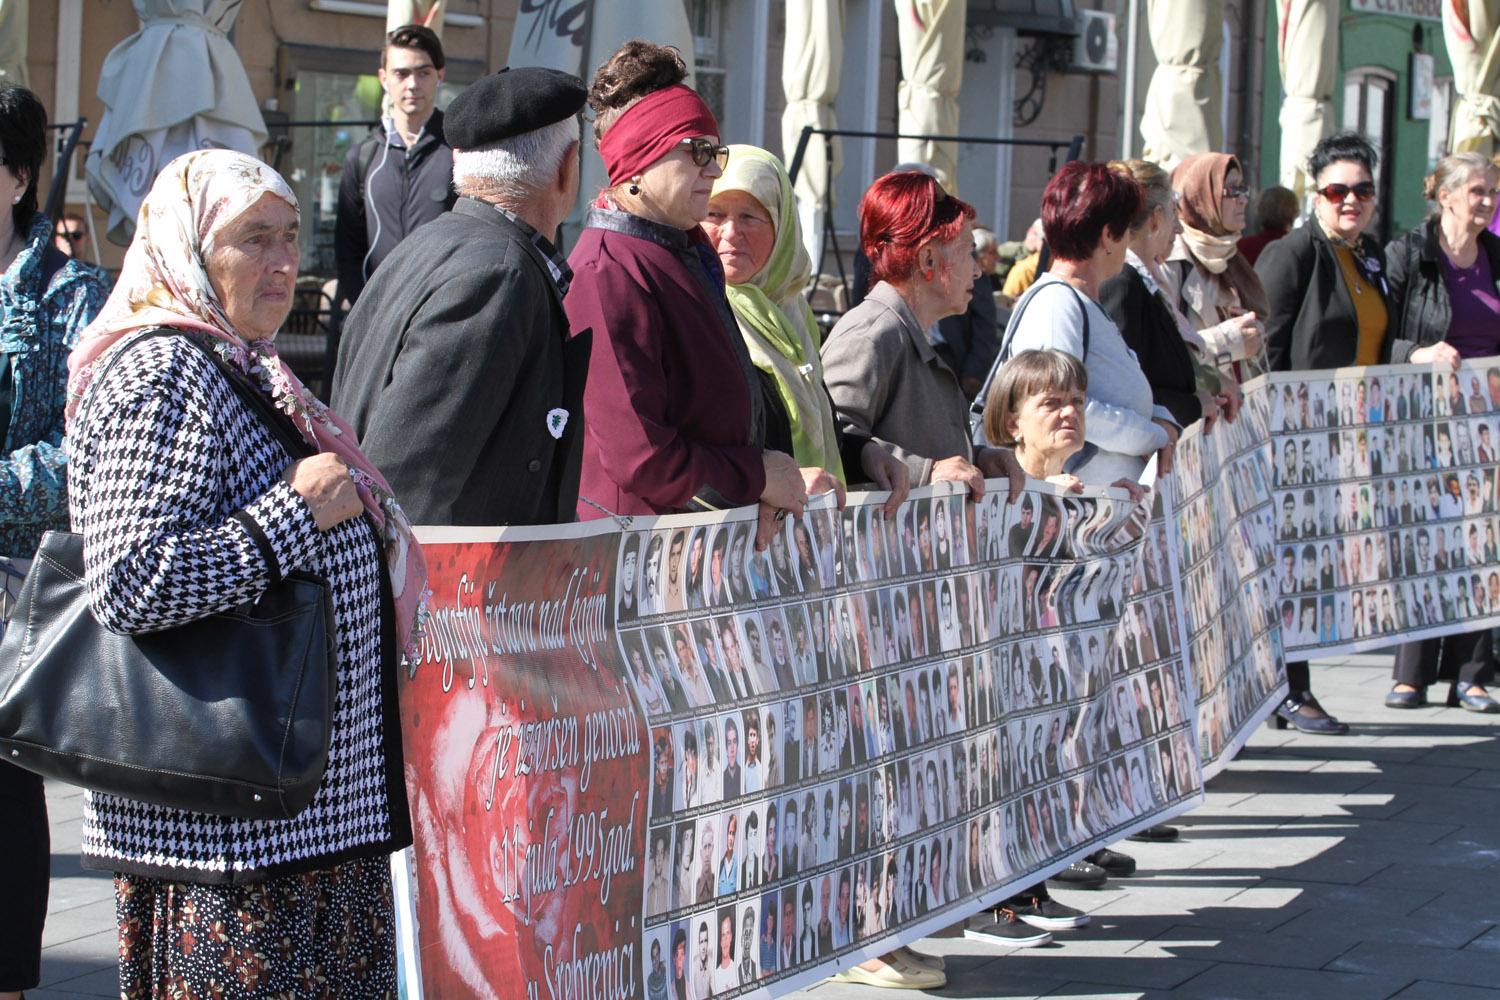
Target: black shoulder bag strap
x=1015, y=321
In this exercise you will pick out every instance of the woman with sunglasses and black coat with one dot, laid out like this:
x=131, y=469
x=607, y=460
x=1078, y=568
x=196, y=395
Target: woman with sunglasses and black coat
x=677, y=415
x=1329, y=308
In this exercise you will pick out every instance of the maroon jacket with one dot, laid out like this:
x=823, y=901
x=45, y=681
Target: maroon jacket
x=672, y=402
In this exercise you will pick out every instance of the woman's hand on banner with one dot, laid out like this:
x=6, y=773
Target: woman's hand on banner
x=817, y=481
x=1070, y=484
x=960, y=470
x=998, y=463
x=887, y=472
x=1210, y=406
x=1441, y=353
x=1164, y=456
x=1136, y=490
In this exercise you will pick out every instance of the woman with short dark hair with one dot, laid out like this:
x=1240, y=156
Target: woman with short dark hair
x=1326, y=290
x=1087, y=212
x=46, y=300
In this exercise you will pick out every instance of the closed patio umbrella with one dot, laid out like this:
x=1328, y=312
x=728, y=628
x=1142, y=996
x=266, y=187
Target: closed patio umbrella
x=1183, y=113
x=174, y=86
x=931, y=34
x=810, y=66
x=428, y=12
x=1307, y=50
x=13, y=31
x=1469, y=30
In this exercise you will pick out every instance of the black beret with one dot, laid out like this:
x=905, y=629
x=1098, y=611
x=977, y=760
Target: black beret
x=511, y=102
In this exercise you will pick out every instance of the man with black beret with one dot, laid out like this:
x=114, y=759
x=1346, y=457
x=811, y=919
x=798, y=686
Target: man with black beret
x=456, y=366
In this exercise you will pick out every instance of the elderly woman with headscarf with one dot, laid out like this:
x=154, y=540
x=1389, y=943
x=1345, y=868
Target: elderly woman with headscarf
x=189, y=504
x=1207, y=278
x=752, y=223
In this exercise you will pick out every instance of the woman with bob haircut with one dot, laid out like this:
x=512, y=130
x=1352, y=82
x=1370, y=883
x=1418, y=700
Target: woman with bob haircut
x=1442, y=290
x=1087, y=212
x=677, y=415
x=887, y=382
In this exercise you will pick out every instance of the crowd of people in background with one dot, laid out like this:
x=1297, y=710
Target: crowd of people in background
x=669, y=362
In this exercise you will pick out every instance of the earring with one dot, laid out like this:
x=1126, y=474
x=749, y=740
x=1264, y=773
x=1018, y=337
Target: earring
x=16, y=200
x=927, y=274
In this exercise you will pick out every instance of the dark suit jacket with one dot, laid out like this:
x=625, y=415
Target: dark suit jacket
x=1147, y=326
x=450, y=363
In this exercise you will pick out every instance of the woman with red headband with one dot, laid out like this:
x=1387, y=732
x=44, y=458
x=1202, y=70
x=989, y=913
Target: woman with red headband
x=677, y=417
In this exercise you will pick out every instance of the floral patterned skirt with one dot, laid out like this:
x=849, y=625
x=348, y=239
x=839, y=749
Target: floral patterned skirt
x=328, y=933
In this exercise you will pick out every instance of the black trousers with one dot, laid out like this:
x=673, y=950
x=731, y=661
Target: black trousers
x=1298, y=677
x=25, y=863
x=1468, y=659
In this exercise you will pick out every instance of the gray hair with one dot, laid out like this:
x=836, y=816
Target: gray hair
x=984, y=239
x=1455, y=170
x=513, y=170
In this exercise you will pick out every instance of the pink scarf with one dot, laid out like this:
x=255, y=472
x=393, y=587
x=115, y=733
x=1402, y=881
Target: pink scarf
x=164, y=284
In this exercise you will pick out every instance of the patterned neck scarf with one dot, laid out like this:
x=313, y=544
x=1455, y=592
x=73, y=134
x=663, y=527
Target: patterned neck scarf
x=164, y=283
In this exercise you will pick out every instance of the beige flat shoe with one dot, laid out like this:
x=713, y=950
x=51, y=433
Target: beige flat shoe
x=935, y=962
x=894, y=976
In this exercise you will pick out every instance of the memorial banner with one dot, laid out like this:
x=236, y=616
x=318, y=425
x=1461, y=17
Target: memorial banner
x=1386, y=505
x=1225, y=537
x=649, y=759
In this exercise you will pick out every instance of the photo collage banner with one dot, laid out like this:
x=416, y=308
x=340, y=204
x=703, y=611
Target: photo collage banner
x=1225, y=536
x=1385, y=505
x=650, y=758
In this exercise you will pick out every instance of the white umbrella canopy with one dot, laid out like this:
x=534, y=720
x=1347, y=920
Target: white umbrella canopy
x=1469, y=31
x=578, y=42
x=931, y=34
x=174, y=86
x=810, y=66
x=13, y=31
x=427, y=12
x=1307, y=49
x=1183, y=113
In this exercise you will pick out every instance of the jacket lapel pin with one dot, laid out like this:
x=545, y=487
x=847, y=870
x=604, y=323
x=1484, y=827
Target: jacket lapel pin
x=557, y=419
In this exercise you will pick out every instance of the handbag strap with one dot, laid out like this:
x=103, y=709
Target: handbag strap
x=275, y=421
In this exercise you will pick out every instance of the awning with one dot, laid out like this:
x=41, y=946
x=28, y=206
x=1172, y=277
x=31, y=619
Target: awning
x=810, y=66
x=581, y=37
x=13, y=32
x=931, y=33
x=1183, y=115
x=1469, y=30
x=1307, y=49
x=174, y=86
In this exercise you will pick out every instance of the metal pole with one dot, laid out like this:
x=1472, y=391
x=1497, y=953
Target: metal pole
x=63, y=168
x=1127, y=125
x=802, y=141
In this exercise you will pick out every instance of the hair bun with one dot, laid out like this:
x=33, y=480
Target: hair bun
x=636, y=69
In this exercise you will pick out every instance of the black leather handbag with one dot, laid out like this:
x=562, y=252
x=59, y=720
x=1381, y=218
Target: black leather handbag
x=230, y=714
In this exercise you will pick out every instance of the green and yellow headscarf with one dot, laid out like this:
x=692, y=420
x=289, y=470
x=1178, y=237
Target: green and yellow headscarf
x=773, y=314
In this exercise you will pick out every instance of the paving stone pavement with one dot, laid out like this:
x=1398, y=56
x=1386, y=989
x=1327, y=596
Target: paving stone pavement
x=1364, y=866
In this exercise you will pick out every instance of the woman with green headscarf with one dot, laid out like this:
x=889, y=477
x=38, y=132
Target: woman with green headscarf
x=752, y=224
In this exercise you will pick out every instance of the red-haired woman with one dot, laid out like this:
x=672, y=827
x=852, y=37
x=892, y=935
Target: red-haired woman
x=886, y=381
x=1087, y=212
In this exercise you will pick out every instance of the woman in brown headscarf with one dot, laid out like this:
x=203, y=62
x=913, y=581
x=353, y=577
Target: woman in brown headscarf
x=1208, y=280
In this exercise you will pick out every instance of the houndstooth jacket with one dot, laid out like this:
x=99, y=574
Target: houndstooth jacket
x=175, y=485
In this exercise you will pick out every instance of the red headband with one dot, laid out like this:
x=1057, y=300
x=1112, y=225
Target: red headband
x=649, y=129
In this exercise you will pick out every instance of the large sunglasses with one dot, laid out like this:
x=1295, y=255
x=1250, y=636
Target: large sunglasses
x=1364, y=191
x=703, y=150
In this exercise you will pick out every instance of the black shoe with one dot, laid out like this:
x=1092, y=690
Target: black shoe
x=1082, y=875
x=1114, y=863
x=1007, y=929
x=1415, y=698
x=1158, y=834
x=1307, y=716
x=1040, y=910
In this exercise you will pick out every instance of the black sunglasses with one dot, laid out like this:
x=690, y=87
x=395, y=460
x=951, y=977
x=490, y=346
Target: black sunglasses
x=1364, y=191
x=703, y=150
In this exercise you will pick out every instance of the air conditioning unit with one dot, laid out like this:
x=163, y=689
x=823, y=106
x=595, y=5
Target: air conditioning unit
x=1097, y=47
